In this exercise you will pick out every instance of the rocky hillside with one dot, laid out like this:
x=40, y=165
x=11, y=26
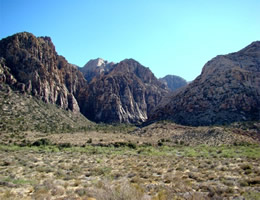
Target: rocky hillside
x=227, y=90
x=173, y=82
x=32, y=65
x=96, y=68
x=20, y=112
x=126, y=94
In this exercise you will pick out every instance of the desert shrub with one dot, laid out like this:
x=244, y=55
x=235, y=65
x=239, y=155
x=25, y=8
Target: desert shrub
x=24, y=143
x=252, y=195
x=42, y=142
x=8, y=195
x=64, y=145
x=104, y=190
x=99, y=171
x=246, y=167
x=57, y=190
x=243, y=183
x=160, y=143
x=160, y=196
x=131, y=145
x=81, y=192
x=125, y=144
x=89, y=141
x=119, y=144
x=254, y=181
x=146, y=144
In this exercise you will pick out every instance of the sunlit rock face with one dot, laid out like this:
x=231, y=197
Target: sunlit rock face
x=96, y=68
x=31, y=64
x=227, y=90
x=126, y=94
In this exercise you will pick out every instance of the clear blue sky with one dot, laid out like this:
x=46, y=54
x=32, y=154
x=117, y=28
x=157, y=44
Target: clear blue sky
x=168, y=36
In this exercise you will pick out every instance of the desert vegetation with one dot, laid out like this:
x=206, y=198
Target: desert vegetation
x=50, y=153
x=42, y=170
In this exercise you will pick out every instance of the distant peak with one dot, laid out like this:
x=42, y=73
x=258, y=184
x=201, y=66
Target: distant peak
x=129, y=60
x=93, y=63
x=100, y=61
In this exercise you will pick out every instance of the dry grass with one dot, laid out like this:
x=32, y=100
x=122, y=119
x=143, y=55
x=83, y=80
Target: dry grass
x=49, y=153
x=178, y=172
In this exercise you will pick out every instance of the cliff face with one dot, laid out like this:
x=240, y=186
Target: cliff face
x=31, y=65
x=126, y=94
x=227, y=90
x=173, y=82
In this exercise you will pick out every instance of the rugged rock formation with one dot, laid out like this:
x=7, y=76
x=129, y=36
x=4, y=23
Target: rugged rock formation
x=227, y=90
x=126, y=94
x=173, y=82
x=32, y=65
x=96, y=68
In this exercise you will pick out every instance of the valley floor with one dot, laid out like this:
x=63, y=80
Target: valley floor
x=128, y=171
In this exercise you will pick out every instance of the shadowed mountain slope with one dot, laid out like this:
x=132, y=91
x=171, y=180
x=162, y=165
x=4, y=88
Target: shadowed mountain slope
x=173, y=82
x=227, y=90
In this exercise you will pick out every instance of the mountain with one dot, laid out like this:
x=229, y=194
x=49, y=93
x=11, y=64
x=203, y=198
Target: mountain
x=119, y=93
x=126, y=94
x=173, y=82
x=95, y=68
x=227, y=90
x=31, y=64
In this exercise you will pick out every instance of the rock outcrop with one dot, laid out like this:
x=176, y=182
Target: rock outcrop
x=126, y=94
x=173, y=82
x=96, y=68
x=123, y=92
x=227, y=90
x=32, y=65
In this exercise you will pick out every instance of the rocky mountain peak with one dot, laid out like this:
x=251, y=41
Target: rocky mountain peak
x=173, y=82
x=125, y=94
x=99, y=62
x=95, y=68
x=246, y=59
x=122, y=92
x=37, y=69
x=227, y=90
x=131, y=66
